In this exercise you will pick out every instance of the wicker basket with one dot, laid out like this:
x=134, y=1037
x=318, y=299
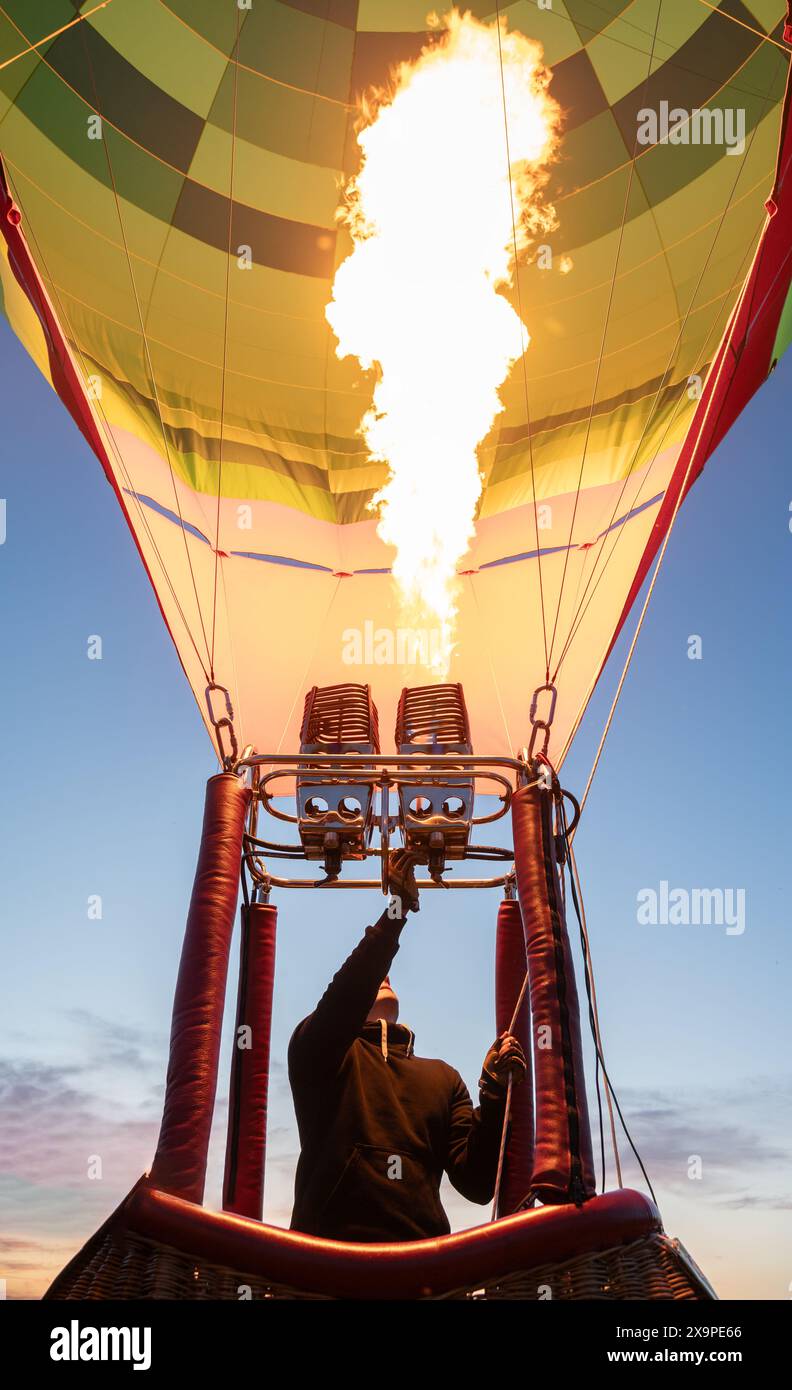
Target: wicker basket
x=119, y=1264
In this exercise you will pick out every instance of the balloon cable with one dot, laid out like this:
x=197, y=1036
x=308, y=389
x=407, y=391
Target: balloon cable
x=82, y=372
x=580, y=607
x=484, y=637
x=32, y=47
x=522, y=342
x=591, y=993
x=728, y=353
x=507, y=1107
x=604, y=339
x=223, y=372
x=766, y=38
x=146, y=347
x=594, y=1021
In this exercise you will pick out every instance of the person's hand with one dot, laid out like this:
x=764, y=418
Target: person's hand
x=504, y=1059
x=401, y=881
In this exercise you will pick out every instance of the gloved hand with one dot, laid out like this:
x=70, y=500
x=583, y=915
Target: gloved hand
x=505, y=1058
x=401, y=880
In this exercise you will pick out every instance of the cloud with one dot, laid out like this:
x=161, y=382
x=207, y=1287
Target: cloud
x=61, y=1124
x=103, y=1097
x=50, y=1112
x=752, y=1202
x=108, y=1043
x=8, y=1244
x=734, y=1134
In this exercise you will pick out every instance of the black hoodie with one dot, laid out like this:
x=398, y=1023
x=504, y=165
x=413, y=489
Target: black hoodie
x=379, y=1126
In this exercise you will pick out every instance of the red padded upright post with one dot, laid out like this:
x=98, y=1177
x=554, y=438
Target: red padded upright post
x=510, y=967
x=243, y=1184
x=180, y=1161
x=563, y=1161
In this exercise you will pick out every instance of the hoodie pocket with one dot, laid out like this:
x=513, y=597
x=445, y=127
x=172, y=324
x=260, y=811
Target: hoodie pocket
x=345, y=1179
x=384, y=1194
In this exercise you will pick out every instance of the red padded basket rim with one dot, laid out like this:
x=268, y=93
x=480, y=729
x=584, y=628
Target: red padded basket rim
x=413, y=1269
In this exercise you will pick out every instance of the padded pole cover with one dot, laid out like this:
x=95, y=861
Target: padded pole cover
x=510, y=967
x=563, y=1162
x=243, y=1184
x=180, y=1161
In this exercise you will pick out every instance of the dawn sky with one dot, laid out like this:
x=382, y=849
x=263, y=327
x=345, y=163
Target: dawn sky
x=104, y=764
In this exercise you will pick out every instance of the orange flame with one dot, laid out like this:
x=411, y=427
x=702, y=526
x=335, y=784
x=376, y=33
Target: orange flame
x=436, y=214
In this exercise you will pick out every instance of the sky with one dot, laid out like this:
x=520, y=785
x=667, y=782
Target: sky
x=103, y=769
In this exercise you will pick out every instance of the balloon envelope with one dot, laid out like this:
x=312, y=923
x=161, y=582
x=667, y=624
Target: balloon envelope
x=173, y=175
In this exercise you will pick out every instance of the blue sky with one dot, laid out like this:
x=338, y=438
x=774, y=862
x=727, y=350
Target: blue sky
x=104, y=764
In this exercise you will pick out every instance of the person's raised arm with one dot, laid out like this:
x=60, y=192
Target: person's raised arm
x=320, y=1042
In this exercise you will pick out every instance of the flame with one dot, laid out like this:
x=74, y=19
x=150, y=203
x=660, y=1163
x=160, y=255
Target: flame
x=436, y=213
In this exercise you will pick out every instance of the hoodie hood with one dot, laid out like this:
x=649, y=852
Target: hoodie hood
x=390, y=1037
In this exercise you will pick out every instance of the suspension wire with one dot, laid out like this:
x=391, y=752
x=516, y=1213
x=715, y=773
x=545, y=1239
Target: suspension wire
x=766, y=38
x=582, y=614
x=597, y=1043
x=608, y=1096
x=582, y=606
x=109, y=437
x=678, y=503
x=225, y=336
x=598, y=1093
x=597, y=1047
x=606, y=325
x=562, y=824
x=523, y=348
x=490, y=663
x=587, y=598
x=146, y=349
x=660, y=558
x=507, y=1106
x=662, y=553
x=591, y=993
x=237, y=702
x=633, y=644
x=302, y=683
x=31, y=48
x=244, y=881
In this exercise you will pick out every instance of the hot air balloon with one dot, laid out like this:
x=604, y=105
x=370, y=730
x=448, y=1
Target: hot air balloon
x=185, y=190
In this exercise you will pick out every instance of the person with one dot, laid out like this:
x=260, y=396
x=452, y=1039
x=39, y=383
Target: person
x=379, y=1126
